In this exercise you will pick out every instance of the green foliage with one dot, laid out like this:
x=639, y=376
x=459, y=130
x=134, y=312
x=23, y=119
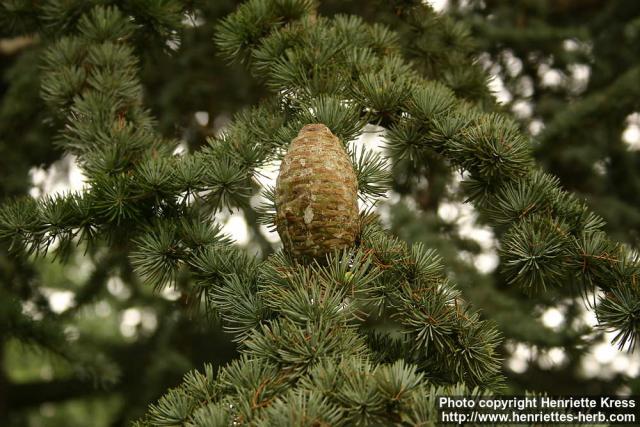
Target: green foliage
x=351, y=391
x=488, y=146
x=618, y=309
x=372, y=334
x=534, y=253
x=238, y=33
x=443, y=337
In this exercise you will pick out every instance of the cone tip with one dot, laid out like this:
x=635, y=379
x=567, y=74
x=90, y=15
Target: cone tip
x=314, y=127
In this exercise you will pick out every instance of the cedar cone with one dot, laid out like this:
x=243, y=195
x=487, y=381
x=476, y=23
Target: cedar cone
x=316, y=195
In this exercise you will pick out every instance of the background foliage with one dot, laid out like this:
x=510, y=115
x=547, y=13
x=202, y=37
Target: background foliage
x=572, y=93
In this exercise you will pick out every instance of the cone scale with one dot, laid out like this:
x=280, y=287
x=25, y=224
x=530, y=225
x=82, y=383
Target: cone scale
x=316, y=195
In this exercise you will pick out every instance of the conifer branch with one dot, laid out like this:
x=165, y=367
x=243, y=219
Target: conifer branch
x=423, y=115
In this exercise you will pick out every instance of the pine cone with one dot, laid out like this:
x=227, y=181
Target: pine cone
x=316, y=195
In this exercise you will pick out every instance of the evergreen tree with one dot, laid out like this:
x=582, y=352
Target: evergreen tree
x=93, y=364
x=373, y=333
x=575, y=95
